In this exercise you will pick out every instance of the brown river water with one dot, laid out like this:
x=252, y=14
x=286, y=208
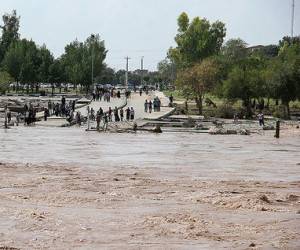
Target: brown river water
x=255, y=157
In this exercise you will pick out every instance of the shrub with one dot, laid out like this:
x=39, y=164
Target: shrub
x=279, y=112
x=225, y=111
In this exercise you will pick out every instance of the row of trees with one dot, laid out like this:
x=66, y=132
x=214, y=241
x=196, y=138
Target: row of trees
x=233, y=71
x=27, y=63
x=24, y=62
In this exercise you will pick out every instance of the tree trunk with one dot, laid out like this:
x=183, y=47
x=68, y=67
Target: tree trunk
x=268, y=103
x=199, y=104
x=287, y=105
x=247, y=104
x=186, y=107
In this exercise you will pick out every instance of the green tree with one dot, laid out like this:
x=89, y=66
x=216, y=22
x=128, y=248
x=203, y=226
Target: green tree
x=245, y=81
x=78, y=58
x=57, y=74
x=167, y=71
x=234, y=50
x=284, y=74
x=196, y=41
x=21, y=61
x=107, y=76
x=46, y=59
x=196, y=81
x=10, y=29
x=5, y=80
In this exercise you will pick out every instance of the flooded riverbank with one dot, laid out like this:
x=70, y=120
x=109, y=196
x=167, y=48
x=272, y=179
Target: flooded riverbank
x=66, y=188
x=259, y=156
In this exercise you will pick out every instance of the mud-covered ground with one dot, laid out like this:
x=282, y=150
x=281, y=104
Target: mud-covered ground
x=70, y=189
x=61, y=207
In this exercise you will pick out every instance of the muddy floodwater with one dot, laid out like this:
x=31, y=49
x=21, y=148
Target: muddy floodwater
x=64, y=188
x=258, y=156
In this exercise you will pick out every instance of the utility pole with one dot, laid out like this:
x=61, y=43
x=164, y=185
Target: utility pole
x=142, y=70
x=293, y=18
x=126, y=73
x=93, y=46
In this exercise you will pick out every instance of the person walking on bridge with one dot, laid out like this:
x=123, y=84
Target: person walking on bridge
x=128, y=114
x=122, y=114
x=132, y=114
x=146, y=106
x=116, y=115
x=98, y=119
x=150, y=106
x=109, y=114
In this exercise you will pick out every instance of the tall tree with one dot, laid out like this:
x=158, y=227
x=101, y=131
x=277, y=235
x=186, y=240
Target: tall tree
x=45, y=61
x=245, y=81
x=79, y=58
x=196, y=81
x=234, y=50
x=5, y=80
x=56, y=74
x=10, y=29
x=196, y=40
x=22, y=62
x=284, y=75
x=167, y=71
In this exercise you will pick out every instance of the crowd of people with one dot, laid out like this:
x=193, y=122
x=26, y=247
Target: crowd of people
x=62, y=109
x=66, y=109
x=152, y=105
x=116, y=115
x=106, y=94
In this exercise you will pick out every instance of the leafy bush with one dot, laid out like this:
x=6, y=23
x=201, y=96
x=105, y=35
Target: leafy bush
x=225, y=111
x=5, y=80
x=279, y=112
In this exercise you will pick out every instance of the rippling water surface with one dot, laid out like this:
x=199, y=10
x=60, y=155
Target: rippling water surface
x=203, y=156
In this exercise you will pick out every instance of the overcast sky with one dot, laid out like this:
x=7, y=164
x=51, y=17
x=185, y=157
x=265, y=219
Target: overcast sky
x=146, y=28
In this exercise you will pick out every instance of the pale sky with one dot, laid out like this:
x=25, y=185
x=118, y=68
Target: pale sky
x=137, y=28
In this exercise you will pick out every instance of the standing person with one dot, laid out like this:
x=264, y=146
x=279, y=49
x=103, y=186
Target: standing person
x=92, y=114
x=261, y=119
x=101, y=112
x=158, y=104
x=121, y=114
x=109, y=114
x=18, y=119
x=132, y=114
x=128, y=114
x=26, y=120
x=63, y=101
x=98, y=119
x=146, y=106
x=171, y=98
x=46, y=114
x=50, y=107
x=8, y=116
x=116, y=115
x=56, y=109
x=141, y=92
x=73, y=105
x=150, y=106
x=155, y=104
x=105, y=122
x=78, y=118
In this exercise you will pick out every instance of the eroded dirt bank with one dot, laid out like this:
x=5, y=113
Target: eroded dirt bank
x=69, y=207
